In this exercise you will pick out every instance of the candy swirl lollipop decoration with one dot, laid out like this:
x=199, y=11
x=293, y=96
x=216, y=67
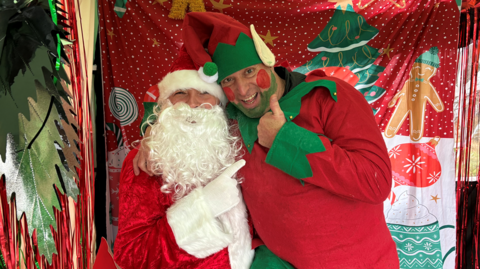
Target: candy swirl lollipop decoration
x=123, y=106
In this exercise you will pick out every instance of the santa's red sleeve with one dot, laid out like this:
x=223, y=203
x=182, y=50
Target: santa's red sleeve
x=145, y=239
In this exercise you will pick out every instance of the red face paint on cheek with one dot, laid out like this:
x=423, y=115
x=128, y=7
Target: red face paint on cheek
x=229, y=93
x=263, y=79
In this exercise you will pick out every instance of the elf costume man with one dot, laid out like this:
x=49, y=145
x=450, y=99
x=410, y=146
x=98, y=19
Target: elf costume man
x=317, y=169
x=190, y=214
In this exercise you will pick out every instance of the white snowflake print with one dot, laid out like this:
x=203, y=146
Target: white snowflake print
x=394, y=152
x=427, y=245
x=414, y=163
x=409, y=247
x=433, y=177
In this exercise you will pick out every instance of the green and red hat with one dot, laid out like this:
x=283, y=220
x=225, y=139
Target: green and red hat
x=221, y=45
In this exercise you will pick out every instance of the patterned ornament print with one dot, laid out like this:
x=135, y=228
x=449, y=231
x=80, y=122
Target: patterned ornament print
x=343, y=46
x=345, y=30
x=148, y=40
x=416, y=233
x=117, y=131
x=413, y=98
x=123, y=106
x=115, y=160
x=415, y=164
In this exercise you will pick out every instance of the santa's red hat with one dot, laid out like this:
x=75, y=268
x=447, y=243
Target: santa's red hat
x=184, y=75
x=220, y=43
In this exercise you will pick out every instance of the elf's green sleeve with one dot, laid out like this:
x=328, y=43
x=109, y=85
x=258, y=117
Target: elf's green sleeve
x=289, y=150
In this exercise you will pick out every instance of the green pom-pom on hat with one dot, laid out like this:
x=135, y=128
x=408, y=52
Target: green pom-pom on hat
x=210, y=69
x=208, y=72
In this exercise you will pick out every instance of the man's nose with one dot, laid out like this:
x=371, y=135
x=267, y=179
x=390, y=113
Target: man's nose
x=242, y=88
x=193, y=101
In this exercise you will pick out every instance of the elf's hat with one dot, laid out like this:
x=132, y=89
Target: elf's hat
x=221, y=46
x=430, y=57
x=183, y=75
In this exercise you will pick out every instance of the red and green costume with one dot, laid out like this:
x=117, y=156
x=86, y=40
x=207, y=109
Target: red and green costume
x=316, y=196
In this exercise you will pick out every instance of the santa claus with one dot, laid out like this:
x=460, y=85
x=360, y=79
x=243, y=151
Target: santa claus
x=190, y=212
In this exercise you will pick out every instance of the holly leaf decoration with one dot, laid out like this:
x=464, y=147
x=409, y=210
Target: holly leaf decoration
x=44, y=160
x=40, y=156
x=24, y=87
x=26, y=32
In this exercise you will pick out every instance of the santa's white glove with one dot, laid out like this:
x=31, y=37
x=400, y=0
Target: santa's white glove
x=193, y=218
x=222, y=194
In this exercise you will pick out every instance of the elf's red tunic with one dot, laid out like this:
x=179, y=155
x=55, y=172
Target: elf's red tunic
x=145, y=240
x=336, y=220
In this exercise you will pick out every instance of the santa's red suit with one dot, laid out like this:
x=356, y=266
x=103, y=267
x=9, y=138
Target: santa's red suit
x=145, y=239
x=192, y=227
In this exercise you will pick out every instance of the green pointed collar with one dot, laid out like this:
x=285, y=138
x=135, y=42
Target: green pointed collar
x=290, y=105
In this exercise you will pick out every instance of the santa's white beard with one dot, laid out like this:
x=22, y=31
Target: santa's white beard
x=190, y=147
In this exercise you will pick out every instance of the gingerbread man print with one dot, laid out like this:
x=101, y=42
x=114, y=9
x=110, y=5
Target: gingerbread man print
x=412, y=99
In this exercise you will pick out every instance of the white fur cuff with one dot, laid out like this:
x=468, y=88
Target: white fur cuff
x=196, y=230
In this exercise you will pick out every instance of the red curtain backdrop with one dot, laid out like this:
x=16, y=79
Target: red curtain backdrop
x=374, y=45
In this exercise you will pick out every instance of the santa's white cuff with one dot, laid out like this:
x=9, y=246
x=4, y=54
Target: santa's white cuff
x=195, y=228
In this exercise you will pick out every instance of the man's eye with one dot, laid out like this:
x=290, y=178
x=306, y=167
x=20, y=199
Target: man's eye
x=227, y=80
x=249, y=71
x=180, y=92
x=204, y=93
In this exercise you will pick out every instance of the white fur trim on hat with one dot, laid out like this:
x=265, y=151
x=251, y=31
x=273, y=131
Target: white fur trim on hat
x=208, y=79
x=187, y=79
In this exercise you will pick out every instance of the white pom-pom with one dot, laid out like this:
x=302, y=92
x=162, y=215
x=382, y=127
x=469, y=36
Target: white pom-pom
x=208, y=79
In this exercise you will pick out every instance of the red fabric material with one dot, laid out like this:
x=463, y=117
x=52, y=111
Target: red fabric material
x=336, y=220
x=145, y=240
x=104, y=259
x=183, y=61
x=285, y=64
x=201, y=27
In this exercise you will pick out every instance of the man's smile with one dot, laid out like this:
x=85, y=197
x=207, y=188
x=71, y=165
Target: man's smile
x=250, y=99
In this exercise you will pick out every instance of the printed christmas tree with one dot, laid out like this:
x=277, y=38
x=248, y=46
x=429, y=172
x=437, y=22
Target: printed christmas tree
x=344, y=52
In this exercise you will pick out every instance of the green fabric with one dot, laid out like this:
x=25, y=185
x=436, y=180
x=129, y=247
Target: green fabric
x=120, y=7
x=355, y=59
x=265, y=259
x=247, y=126
x=344, y=31
x=290, y=148
x=290, y=105
x=148, y=116
x=230, y=59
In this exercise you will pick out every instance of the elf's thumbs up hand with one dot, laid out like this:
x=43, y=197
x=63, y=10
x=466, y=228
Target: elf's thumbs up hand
x=270, y=123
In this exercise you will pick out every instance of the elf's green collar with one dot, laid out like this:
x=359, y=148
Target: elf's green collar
x=290, y=105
